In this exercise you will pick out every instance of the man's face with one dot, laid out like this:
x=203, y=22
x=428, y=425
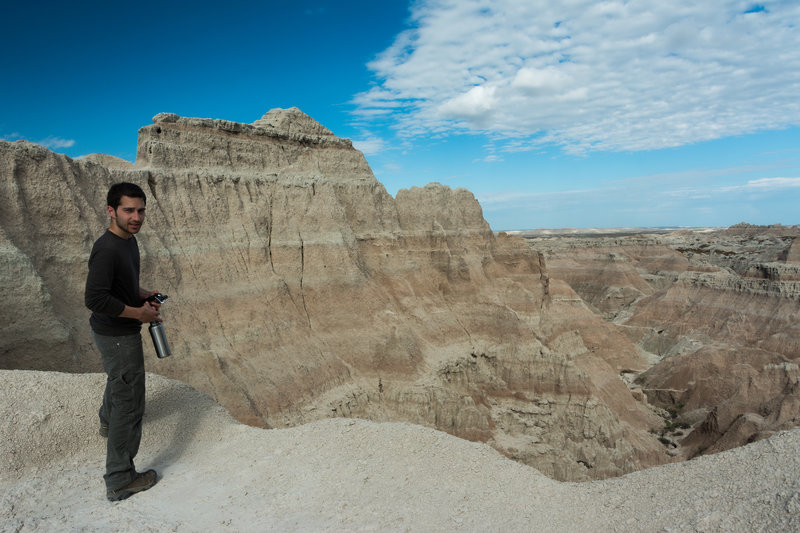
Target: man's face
x=128, y=217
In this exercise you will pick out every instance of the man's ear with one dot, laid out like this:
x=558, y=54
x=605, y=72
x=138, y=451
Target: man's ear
x=111, y=212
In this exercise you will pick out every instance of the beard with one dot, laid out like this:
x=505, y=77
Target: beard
x=128, y=226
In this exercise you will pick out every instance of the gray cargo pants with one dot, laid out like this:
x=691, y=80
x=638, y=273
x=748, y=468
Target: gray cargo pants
x=123, y=404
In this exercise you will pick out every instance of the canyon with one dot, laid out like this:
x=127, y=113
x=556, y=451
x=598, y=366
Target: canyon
x=300, y=290
x=716, y=311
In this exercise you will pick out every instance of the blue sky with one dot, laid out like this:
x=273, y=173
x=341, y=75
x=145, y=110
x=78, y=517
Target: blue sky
x=554, y=114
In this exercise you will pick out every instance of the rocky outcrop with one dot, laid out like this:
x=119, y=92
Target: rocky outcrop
x=729, y=396
x=285, y=143
x=300, y=290
x=719, y=320
x=793, y=252
x=108, y=161
x=611, y=274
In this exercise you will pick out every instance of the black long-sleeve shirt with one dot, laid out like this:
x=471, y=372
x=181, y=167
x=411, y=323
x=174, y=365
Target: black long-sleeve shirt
x=113, y=283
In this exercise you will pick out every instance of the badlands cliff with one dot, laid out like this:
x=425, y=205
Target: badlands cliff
x=718, y=314
x=300, y=290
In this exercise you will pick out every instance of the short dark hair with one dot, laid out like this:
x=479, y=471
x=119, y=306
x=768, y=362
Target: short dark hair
x=118, y=190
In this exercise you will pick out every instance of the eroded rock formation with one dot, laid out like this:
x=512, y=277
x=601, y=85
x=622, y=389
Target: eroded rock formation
x=300, y=290
x=719, y=314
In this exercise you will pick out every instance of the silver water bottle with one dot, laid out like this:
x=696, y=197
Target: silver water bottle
x=159, y=339
x=157, y=330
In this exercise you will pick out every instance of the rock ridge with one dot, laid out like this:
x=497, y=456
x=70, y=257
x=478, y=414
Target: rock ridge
x=771, y=284
x=287, y=140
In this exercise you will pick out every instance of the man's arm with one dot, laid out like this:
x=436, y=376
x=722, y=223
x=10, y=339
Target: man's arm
x=146, y=313
x=97, y=295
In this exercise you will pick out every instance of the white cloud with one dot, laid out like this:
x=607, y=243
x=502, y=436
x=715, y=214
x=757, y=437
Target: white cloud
x=501, y=200
x=588, y=75
x=53, y=143
x=765, y=184
x=56, y=143
x=541, y=81
x=370, y=146
x=665, y=192
x=477, y=105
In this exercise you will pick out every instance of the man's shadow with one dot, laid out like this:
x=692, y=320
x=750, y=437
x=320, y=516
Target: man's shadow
x=176, y=409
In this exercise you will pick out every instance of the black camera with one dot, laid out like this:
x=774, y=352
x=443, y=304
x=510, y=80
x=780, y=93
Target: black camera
x=157, y=298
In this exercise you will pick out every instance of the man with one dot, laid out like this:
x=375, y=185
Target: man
x=118, y=309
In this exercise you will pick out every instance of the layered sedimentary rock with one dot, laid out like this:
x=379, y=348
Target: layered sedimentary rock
x=792, y=255
x=719, y=314
x=108, y=161
x=299, y=290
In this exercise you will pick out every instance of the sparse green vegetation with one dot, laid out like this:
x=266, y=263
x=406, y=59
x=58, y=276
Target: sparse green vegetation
x=699, y=452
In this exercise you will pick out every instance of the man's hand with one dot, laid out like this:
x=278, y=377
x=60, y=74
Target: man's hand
x=145, y=294
x=150, y=312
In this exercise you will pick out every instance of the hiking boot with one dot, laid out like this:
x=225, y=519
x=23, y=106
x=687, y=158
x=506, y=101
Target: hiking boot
x=142, y=481
x=103, y=431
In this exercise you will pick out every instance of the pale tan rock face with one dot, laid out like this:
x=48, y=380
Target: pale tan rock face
x=108, y=161
x=300, y=290
x=793, y=253
x=719, y=312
